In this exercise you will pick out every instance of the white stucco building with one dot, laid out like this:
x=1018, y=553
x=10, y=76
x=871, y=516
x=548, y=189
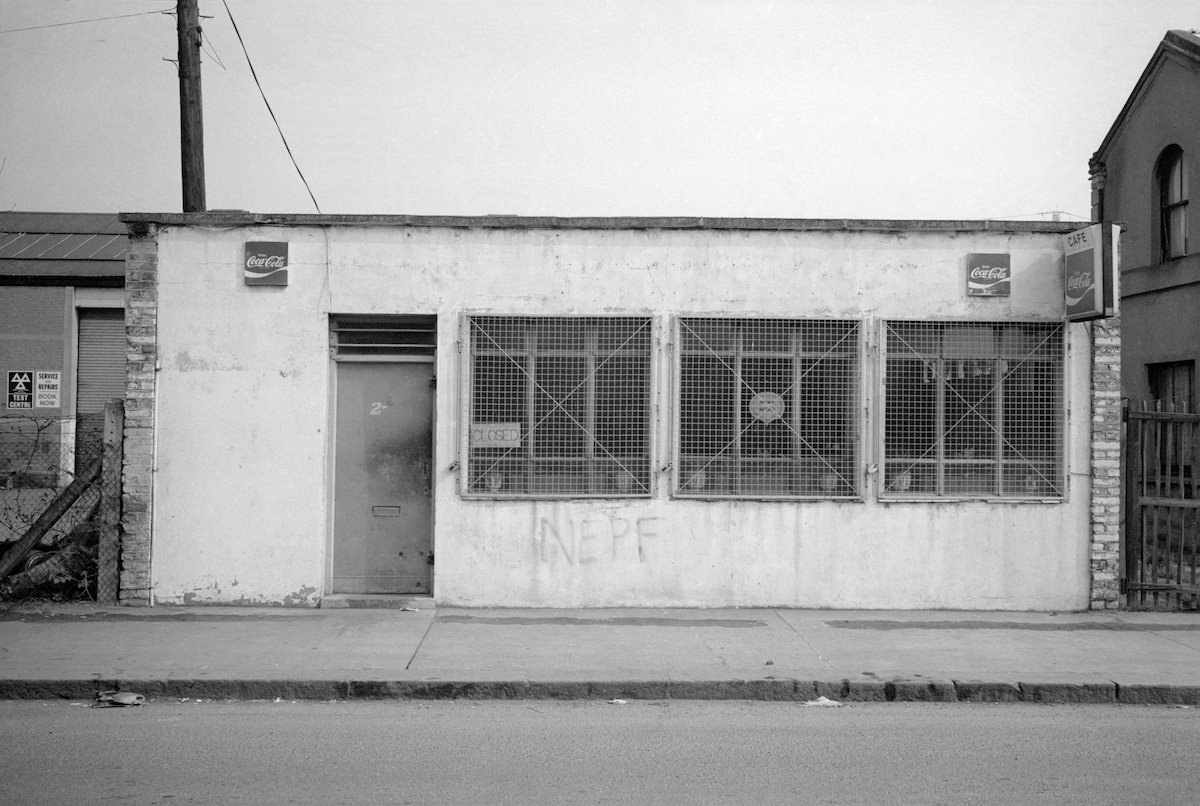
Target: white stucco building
x=529, y=412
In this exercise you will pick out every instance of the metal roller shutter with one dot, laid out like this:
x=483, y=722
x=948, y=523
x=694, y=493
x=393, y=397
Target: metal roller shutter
x=101, y=368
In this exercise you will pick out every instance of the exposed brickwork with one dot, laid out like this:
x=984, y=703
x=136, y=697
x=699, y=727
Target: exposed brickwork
x=141, y=357
x=1098, y=173
x=1106, y=464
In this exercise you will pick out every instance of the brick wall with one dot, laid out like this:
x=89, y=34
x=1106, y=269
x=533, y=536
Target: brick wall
x=141, y=328
x=1106, y=464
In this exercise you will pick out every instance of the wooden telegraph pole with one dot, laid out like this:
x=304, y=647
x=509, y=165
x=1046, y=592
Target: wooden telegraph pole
x=191, y=110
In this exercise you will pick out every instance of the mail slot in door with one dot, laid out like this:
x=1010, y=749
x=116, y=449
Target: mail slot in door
x=386, y=511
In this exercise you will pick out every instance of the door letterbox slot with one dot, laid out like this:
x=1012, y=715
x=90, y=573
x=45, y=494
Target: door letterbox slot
x=386, y=511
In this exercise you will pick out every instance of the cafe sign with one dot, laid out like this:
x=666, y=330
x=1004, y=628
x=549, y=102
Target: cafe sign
x=1090, y=272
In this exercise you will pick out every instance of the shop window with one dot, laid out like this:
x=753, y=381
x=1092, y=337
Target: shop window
x=560, y=406
x=768, y=408
x=973, y=410
x=1172, y=204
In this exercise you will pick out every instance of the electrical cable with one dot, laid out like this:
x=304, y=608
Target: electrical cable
x=81, y=22
x=269, y=109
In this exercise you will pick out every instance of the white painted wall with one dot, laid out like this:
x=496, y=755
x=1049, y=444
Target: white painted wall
x=241, y=504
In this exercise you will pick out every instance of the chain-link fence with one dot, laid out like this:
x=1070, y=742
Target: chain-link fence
x=59, y=506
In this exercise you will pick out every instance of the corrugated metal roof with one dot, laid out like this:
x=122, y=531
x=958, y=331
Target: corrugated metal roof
x=62, y=244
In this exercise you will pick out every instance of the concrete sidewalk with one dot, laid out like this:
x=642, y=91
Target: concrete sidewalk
x=72, y=651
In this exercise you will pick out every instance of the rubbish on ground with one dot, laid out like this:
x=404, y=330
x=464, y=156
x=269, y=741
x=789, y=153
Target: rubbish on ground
x=409, y=609
x=822, y=702
x=113, y=699
x=618, y=701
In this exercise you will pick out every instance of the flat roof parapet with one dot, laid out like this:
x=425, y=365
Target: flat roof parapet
x=228, y=218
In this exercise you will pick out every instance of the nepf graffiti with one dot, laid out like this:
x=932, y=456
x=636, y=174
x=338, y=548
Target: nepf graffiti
x=596, y=537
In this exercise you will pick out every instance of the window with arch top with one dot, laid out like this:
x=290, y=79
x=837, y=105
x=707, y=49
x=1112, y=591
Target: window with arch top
x=1172, y=183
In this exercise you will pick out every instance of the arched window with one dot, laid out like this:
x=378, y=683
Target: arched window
x=1172, y=204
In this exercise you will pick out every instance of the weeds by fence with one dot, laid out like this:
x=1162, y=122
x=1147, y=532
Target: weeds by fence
x=59, y=505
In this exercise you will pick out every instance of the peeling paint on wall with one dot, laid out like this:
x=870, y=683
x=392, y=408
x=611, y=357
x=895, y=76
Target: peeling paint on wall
x=185, y=363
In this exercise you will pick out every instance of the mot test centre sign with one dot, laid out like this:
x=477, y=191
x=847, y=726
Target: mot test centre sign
x=20, y=389
x=1090, y=272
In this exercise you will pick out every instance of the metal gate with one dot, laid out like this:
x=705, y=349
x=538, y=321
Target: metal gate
x=1162, y=511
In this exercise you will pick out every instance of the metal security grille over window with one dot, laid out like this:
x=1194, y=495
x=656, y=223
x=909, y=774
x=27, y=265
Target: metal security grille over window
x=560, y=406
x=768, y=408
x=973, y=410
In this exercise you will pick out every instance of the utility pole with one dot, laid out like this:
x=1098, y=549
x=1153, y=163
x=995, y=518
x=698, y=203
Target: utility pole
x=191, y=110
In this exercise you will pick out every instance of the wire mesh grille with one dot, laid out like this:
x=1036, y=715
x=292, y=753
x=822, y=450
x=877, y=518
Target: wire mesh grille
x=973, y=410
x=559, y=406
x=768, y=407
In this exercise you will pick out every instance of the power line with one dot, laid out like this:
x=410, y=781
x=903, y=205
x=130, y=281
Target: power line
x=81, y=22
x=268, y=103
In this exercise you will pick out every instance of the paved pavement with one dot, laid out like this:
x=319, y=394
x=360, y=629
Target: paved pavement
x=74, y=650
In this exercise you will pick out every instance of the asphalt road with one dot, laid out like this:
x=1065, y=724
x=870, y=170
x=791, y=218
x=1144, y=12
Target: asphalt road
x=641, y=752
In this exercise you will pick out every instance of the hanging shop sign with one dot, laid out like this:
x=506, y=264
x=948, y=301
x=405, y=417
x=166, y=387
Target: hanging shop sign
x=266, y=263
x=989, y=275
x=1090, y=272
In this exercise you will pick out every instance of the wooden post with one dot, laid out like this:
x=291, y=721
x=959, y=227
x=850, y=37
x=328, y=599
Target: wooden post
x=108, y=554
x=191, y=110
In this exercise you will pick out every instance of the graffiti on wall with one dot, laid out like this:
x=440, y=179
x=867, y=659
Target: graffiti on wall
x=595, y=537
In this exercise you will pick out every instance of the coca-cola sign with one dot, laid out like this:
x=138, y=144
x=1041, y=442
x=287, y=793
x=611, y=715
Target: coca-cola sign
x=266, y=263
x=1089, y=272
x=989, y=275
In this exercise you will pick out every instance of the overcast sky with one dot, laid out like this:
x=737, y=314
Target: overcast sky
x=744, y=108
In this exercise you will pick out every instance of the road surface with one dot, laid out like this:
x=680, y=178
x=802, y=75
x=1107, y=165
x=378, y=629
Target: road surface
x=583, y=752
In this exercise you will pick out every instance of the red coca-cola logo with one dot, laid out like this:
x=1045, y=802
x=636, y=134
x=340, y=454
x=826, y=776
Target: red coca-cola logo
x=266, y=263
x=1079, y=282
x=988, y=273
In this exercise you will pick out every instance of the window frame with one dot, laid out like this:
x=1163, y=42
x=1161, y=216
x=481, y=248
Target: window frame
x=528, y=461
x=1059, y=462
x=1171, y=189
x=801, y=490
x=1167, y=372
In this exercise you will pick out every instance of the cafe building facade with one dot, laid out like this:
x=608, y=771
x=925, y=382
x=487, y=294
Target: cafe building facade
x=615, y=412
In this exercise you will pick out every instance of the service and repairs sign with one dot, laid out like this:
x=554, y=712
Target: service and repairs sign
x=47, y=388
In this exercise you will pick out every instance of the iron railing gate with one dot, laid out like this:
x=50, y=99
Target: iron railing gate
x=1162, y=510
